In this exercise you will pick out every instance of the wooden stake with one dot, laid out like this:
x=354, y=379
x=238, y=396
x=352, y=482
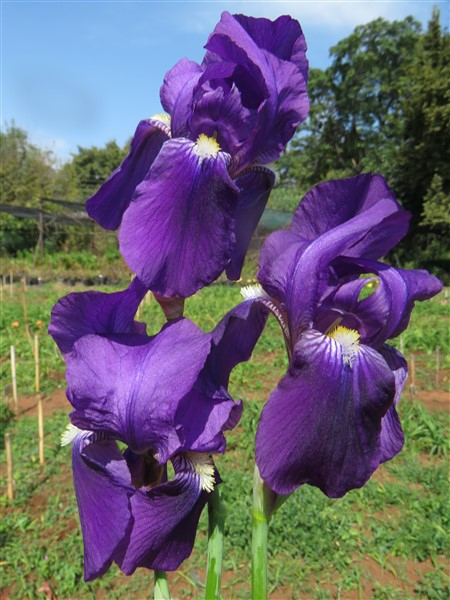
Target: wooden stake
x=9, y=466
x=25, y=310
x=14, y=379
x=36, y=362
x=438, y=365
x=412, y=385
x=41, y=431
x=11, y=288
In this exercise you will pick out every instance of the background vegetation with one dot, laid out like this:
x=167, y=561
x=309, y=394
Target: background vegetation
x=383, y=105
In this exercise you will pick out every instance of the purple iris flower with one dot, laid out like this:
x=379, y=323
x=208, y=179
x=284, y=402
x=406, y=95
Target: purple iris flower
x=332, y=419
x=165, y=398
x=192, y=189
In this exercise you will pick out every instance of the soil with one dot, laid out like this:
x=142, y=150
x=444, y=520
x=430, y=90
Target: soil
x=433, y=400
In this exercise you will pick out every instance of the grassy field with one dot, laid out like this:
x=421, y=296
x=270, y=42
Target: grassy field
x=386, y=541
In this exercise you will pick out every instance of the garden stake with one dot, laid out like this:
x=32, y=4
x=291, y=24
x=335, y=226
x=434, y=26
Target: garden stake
x=25, y=310
x=14, y=379
x=412, y=385
x=9, y=467
x=11, y=289
x=36, y=362
x=41, y=431
x=438, y=364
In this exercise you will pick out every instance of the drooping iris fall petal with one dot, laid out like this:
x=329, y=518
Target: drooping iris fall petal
x=322, y=424
x=177, y=234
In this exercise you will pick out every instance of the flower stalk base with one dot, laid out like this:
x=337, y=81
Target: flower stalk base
x=216, y=520
x=161, y=589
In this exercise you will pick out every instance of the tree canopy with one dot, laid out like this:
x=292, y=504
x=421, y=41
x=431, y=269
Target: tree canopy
x=383, y=105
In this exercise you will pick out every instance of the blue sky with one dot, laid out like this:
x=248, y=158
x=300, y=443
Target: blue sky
x=85, y=72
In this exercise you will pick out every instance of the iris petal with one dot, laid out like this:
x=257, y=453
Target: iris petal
x=271, y=82
x=254, y=190
x=392, y=438
x=83, y=313
x=177, y=234
x=103, y=489
x=389, y=308
x=322, y=424
x=109, y=203
x=166, y=519
x=132, y=389
x=177, y=94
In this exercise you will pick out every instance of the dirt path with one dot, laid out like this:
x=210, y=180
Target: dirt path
x=433, y=400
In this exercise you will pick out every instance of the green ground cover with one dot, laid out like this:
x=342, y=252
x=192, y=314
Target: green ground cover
x=387, y=540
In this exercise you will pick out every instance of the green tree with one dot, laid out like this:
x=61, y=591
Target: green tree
x=421, y=164
x=26, y=171
x=436, y=207
x=27, y=174
x=354, y=122
x=91, y=166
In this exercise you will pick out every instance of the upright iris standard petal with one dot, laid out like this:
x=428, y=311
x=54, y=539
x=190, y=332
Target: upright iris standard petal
x=177, y=93
x=133, y=389
x=271, y=81
x=109, y=203
x=282, y=37
x=369, y=226
x=83, y=313
x=177, y=234
x=322, y=424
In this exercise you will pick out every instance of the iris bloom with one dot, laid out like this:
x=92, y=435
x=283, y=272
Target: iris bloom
x=165, y=398
x=332, y=419
x=192, y=189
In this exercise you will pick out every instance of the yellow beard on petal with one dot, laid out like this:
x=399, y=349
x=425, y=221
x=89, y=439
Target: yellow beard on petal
x=206, y=147
x=349, y=341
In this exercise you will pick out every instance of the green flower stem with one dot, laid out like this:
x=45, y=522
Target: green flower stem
x=161, y=589
x=264, y=500
x=216, y=521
